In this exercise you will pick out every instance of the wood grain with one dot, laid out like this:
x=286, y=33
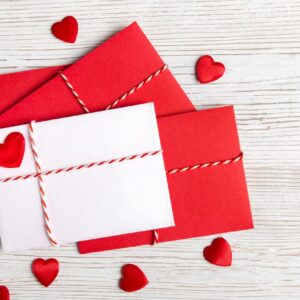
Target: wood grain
x=259, y=42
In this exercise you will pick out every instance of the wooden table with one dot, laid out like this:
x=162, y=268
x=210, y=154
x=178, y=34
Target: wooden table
x=259, y=42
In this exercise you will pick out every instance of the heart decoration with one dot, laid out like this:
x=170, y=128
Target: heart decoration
x=66, y=30
x=12, y=150
x=45, y=271
x=4, y=293
x=218, y=253
x=133, y=278
x=208, y=70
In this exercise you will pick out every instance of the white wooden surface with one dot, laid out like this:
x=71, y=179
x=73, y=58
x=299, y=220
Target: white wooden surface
x=259, y=42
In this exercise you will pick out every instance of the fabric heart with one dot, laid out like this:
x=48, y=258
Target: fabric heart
x=12, y=150
x=218, y=253
x=4, y=293
x=45, y=271
x=208, y=70
x=66, y=30
x=133, y=278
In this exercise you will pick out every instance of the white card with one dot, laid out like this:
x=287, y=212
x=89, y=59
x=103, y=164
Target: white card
x=100, y=201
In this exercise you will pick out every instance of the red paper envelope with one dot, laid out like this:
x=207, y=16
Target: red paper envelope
x=55, y=99
x=208, y=200
x=125, y=65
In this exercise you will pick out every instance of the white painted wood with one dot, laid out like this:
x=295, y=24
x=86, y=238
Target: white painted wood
x=259, y=42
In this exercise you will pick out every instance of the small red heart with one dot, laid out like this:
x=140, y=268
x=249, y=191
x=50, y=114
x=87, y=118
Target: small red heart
x=133, y=278
x=12, y=150
x=4, y=293
x=218, y=253
x=208, y=70
x=45, y=271
x=66, y=30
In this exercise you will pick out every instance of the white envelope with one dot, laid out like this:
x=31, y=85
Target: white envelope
x=100, y=201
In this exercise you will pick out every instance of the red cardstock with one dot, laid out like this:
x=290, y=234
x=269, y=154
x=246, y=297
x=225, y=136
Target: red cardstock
x=205, y=201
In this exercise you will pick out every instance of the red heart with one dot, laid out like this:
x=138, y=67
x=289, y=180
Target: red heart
x=45, y=271
x=4, y=293
x=12, y=150
x=133, y=278
x=208, y=70
x=66, y=30
x=218, y=253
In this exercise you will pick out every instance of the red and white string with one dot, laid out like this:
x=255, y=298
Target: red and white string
x=112, y=161
x=155, y=238
x=137, y=87
x=206, y=165
x=41, y=186
x=83, y=166
x=70, y=86
x=120, y=99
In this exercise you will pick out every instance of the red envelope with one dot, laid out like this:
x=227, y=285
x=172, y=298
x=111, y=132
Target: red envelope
x=185, y=138
x=205, y=200
x=100, y=78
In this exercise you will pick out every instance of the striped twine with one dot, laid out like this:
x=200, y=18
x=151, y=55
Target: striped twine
x=122, y=98
x=41, y=185
x=155, y=237
x=70, y=86
x=119, y=160
x=207, y=165
x=137, y=87
x=83, y=166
